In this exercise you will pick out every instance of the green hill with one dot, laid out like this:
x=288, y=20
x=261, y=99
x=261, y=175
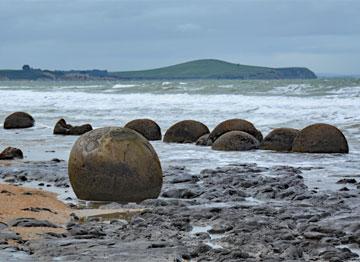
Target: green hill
x=198, y=69
x=216, y=69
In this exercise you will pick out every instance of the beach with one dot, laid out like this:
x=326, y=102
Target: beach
x=222, y=206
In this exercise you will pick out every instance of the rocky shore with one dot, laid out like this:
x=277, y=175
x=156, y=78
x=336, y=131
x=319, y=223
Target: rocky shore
x=240, y=212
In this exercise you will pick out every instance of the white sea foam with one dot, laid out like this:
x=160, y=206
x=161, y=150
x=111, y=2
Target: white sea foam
x=123, y=86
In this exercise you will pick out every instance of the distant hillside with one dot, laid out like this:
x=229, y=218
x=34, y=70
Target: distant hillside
x=198, y=69
x=217, y=69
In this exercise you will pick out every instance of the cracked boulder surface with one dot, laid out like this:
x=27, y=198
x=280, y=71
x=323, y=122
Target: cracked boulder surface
x=114, y=164
x=240, y=212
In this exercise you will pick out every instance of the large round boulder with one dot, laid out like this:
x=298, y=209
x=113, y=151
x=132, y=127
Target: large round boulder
x=187, y=131
x=10, y=153
x=280, y=139
x=235, y=141
x=235, y=125
x=146, y=127
x=320, y=138
x=114, y=164
x=19, y=120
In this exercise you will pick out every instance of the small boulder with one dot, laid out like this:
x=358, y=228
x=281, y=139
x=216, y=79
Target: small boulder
x=114, y=164
x=11, y=153
x=62, y=128
x=19, y=120
x=280, y=139
x=203, y=141
x=146, y=127
x=320, y=138
x=236, y=141
x=235, y=125
x=187, y=131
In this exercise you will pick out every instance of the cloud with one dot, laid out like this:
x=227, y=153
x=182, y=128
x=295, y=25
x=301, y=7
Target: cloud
x=188, y=27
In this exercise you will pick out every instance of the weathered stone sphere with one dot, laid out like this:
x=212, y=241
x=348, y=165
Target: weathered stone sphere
x=63, y=128
x=187, y=131
x=146, y=127
x=114, y=164
x=19, y=120
x=320, y=138
x=203, y=140
x=235, y=141
x=235, y=125
x=280, y=139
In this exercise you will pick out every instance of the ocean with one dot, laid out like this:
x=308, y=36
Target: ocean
x=268, y=104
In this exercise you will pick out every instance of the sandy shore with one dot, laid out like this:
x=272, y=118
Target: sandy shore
x=21, y=202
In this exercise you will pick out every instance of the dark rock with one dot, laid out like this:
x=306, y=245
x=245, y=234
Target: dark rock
x=11, y=153
x=204, y=140
x=235, y=141
x=19, y=120
x=320, y=138
x=279, y=139
x=146, y=127
x=31, y=222
x=180, y=193
x=187, y=131
x=347, y=181
x=62, y=128
x=235, y=125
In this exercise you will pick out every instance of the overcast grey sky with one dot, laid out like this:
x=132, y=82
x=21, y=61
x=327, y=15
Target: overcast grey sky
x=323, y=35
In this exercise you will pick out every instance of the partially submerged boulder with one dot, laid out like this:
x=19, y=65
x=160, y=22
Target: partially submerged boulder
x=19, y=120
x=320, y=138
x=187, y=131
x=146, y=127
x=203, y=141
x=114, y=164
x=62, y=128
x=280, y=139
x=235, y=125
x=11, y=153
x=235, y=141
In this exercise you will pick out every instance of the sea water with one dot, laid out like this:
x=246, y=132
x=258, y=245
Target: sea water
x=266, y=103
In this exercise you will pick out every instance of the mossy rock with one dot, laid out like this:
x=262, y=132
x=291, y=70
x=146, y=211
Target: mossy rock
x=320, y=138
x=235, y=125
x=280, y=139
x=114, y=164
x=235, y=141
x=19, y=120
x=146, y=127
x=187, y=131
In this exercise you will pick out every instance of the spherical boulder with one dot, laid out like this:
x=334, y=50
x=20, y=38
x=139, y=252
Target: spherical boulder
x=235, y=125
x=187, y=131
x=114, y=164
x=235, y=141
x=146, y=127
x=203, y=140
x=320, y=138
x=280, y=139
x=19, y=120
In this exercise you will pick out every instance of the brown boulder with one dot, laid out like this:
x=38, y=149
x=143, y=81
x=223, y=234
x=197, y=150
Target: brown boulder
x=187, y=131
x=146, y=127
x=11, y=153
x=203, y=141
x=235, y=125
x=320, y=138
x=19, y=120
x=279, y=139
x=62, y=128
x=235, y=141
x=114, y=164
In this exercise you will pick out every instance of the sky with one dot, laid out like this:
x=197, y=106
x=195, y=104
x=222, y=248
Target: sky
x=323, y=35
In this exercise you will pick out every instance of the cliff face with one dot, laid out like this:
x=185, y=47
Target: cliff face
x=198, y=69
